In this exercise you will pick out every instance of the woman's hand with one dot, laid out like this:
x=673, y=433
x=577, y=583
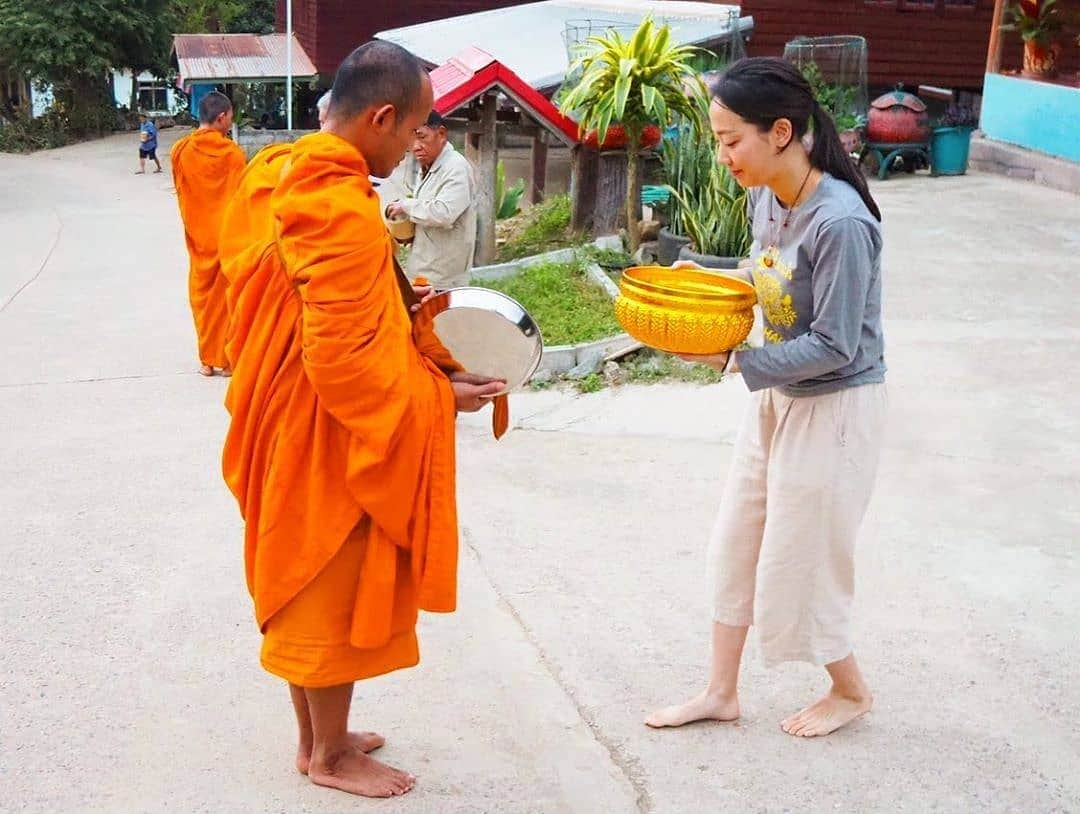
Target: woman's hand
x=717, y=361
x=687, y=264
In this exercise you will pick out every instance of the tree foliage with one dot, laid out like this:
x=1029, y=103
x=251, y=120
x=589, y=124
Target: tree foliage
x=72, y=46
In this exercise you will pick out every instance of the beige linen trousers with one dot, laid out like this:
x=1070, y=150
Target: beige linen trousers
x=781, y=557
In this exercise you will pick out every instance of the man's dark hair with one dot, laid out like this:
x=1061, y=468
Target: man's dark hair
x=376, y=73
x=434, y=120
x=213, y=105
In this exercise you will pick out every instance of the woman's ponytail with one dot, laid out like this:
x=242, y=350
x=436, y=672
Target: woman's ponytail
x=828, y=154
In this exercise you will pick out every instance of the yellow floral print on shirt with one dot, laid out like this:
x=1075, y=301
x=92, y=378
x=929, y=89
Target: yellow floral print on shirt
x=775, y=302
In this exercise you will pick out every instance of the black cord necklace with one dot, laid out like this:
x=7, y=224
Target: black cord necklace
x=787, y=218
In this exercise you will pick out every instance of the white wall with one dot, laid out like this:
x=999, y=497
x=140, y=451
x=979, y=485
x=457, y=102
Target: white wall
x=121, y=82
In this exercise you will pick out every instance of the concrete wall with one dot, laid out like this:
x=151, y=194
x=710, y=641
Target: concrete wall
x=1037, y=115
x=251, y=140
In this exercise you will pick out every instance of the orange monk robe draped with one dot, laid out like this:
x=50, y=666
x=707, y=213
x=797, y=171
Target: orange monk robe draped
x=206, y=168
x=337, y=416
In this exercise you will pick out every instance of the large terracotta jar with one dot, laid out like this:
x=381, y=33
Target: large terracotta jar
x=898, y=118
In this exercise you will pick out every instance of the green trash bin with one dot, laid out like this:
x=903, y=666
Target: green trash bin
x=949, y=147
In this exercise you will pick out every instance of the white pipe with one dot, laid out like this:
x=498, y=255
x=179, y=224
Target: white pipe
x=288, y=60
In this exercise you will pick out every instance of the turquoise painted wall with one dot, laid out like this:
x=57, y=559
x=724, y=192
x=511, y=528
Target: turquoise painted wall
x=1037, y=115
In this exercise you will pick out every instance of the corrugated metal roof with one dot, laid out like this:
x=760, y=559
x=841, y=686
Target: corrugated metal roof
x=474, y=72
x=530, y=39
x=238, y=57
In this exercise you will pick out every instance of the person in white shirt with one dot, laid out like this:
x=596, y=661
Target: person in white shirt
x=323, y=106
x=438, y=193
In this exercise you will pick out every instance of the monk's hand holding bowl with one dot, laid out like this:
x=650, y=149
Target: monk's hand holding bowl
x=472, y=391
x=423, y=293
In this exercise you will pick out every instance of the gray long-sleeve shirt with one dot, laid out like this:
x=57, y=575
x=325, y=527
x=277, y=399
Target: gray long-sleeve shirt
x=818, y=282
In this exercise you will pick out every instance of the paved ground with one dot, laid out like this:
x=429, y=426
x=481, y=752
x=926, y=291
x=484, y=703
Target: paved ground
x=128, y=672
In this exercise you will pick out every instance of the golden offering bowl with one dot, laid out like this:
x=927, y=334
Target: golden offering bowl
x=685, y=310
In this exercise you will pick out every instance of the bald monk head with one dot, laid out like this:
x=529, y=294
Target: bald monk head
x=215, y=112
x=381, y=94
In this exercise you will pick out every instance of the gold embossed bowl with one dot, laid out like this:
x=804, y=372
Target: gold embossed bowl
x=685, y=310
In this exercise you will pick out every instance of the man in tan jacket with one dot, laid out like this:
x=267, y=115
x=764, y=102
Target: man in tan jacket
x=436, y=190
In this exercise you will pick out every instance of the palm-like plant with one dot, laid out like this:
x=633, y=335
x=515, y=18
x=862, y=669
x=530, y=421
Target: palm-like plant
x=1035, y=20
x=647, y=79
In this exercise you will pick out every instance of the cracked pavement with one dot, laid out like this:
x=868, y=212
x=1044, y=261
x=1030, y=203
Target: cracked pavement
x=128, y=655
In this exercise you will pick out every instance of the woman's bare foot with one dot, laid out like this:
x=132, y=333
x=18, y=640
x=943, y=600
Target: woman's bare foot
x=700, y=708
x=826, y=715
x=361, y=741
x=358, y=773
x=206, y=370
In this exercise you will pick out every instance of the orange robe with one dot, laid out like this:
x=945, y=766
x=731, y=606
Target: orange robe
x=206, y=168
x=340, y=451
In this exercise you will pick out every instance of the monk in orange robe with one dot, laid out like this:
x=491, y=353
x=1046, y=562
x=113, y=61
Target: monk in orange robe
x=206, y=169
x=340, y=450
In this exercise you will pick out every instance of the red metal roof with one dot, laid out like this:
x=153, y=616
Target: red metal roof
x=238, y=57
x=474, y=72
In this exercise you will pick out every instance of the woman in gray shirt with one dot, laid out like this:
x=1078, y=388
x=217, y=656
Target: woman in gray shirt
x=781, y=557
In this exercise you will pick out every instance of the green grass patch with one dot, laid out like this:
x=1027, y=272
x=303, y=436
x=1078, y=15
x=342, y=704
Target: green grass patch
x=648, y=366
x=567, y=305
x=542, y=228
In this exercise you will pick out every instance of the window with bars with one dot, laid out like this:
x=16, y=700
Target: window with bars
x=153, y=96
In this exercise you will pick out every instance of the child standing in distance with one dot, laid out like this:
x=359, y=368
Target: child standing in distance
x=147, y=144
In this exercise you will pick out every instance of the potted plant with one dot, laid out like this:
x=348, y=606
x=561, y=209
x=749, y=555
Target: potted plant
x=717, y=221
x=645, y=80
x=1036, y=21
x=950, y=140
x=687, y=161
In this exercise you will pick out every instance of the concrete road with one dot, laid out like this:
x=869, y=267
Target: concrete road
x=129, y=679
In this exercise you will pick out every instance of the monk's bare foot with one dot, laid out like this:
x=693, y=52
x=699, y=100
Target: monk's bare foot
x=226, y=372
x=206, y=370
x=361, y=741
x=703, y=707
x=358, y=773
x=826, y=715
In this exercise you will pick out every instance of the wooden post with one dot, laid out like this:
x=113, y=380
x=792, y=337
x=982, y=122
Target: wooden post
x=539, y=166
x=472, y=136
x=610, y=193
x=993, y=53
x=583, y=171
x=610, y=212
x=485, y=197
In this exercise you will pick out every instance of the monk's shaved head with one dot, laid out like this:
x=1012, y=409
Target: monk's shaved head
x=212, y=105
x=375, y=74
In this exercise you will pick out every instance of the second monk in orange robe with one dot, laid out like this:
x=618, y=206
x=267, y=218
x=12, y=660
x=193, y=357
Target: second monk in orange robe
x=206, y=168
x=340, y=450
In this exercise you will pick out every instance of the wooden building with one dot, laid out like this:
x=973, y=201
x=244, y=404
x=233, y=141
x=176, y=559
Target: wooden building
x=933, y=42
x=330, y=29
